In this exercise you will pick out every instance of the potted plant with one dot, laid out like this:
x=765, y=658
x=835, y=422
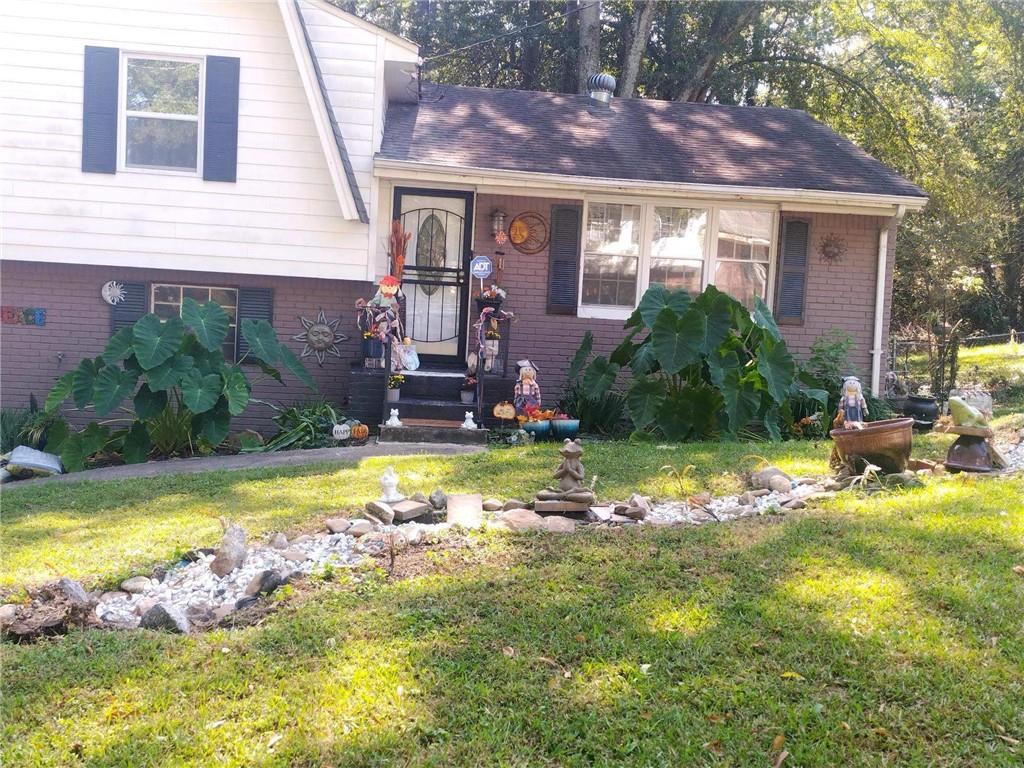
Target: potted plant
x=564, y=426
x=490, y=297
x=468, y=390
x=537, y=422
x=395, y=382
x=492, y=340
x=373, y=347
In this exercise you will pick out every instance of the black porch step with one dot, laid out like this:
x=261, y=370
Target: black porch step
x=430, y=408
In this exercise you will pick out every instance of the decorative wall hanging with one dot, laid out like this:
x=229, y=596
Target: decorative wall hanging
x=320, y=337
x=528, y=232
x=112, y=292
x=23, y=315
x=832, y=248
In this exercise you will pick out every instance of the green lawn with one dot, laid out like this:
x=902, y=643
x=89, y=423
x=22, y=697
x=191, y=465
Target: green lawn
x=997, y=367
x=869, y=631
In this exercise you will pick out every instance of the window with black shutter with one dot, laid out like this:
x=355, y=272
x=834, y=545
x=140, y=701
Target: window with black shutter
x=99, y=109
x=793, y=252
x=134, y=305
x=564, y=259
x=253, y=304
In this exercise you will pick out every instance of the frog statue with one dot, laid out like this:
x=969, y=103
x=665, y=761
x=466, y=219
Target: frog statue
x=571, y=494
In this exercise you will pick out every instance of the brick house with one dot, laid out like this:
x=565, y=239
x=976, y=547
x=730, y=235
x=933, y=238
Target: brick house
x=256, y=153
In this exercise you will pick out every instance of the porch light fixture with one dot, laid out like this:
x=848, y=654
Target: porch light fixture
x=498, y=226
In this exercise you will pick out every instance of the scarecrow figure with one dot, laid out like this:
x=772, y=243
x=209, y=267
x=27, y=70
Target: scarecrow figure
x=387, y=294
x=526, y=393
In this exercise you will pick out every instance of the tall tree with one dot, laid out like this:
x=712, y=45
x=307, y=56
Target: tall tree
x=590, y=42
x=637, y=35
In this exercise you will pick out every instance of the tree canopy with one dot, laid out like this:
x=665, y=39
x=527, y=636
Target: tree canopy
x=933, y=89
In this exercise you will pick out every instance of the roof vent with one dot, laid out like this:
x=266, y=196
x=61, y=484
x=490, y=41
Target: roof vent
x=600, y=87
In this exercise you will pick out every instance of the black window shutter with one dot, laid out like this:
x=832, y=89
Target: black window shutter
x=564, y=259
x=99, y=110
x=134, y=305
x=789, y=305
x=253, y=304
x=220, y=119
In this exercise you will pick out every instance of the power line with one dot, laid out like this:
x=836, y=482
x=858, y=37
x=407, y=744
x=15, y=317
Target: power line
x=513, y=32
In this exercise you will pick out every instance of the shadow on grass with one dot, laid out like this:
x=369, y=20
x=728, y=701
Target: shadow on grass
x=695, y=646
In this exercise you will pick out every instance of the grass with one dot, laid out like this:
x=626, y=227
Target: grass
x=885, y=630
x=998, y=368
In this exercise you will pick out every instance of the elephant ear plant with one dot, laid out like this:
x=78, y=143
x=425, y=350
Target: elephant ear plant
x=702, y=367
x=174, y=375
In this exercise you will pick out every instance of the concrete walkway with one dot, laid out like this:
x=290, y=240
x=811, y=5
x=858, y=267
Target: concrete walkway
x=255, y=461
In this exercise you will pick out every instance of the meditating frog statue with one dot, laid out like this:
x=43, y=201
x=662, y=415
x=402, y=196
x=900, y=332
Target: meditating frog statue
x=570, y=474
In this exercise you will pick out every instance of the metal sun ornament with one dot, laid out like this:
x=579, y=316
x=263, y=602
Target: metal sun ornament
x=832, y=248
x=112, y=292
x=320, y=337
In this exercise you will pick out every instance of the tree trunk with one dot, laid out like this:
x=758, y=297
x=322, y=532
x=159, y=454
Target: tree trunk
x=636, y=45
x=570, y=38
x=531, y=48
x=728, y=23
x=590, y=42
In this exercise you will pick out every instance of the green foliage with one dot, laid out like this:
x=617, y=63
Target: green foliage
x=13, y=422
x=705, y=367
x=182, y=392
x=305, y=425
x=601, y=413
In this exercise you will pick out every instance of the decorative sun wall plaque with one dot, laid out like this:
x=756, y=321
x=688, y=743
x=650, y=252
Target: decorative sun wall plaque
x=528, y=232
x=112, y=292
x=320, y=337
x=832, y=248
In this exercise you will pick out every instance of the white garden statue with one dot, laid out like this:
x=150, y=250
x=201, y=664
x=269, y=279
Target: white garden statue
x=469, y=423
x=394, y=421
x=389, y=486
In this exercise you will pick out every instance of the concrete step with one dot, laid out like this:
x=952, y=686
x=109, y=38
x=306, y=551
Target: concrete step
x=415, y=433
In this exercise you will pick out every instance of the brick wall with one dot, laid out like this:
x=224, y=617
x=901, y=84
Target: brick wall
x=840, y=296
x=78, y=325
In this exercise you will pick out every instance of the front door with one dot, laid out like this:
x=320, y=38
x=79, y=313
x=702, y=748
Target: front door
x=434, y=280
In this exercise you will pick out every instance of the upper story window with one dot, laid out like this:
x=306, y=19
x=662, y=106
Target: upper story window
x=627, y=247
x=161, y=111
x=167, y=301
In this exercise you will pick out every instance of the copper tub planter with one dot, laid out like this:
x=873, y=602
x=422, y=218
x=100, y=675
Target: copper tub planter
x=885, y=444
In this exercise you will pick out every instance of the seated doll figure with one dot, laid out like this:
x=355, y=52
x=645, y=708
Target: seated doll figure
x=526, y=394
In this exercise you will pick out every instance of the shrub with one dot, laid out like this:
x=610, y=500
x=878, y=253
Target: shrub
x=827, y=366
x=304, y=425
x=603, y=414
x=703, y=367
x=183, y=393
x=13, y=422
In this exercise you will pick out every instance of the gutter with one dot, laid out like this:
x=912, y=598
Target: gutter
x=880, y=284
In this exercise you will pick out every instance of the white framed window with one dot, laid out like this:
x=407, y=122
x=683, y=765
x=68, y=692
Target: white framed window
x=166, y=302
x=630, y=245
x=160, y=124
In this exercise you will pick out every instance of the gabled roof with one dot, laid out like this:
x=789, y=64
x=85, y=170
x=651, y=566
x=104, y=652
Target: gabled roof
x=638, y=140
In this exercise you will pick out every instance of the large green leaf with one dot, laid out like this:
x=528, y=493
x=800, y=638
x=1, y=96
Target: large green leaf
x=777, y=367
x=156, y=340
x=658, y=298
x=644, y=360
x=79, y=446
x=200, y=392
x=771, y=422
x=148, y=403
x=262, y=340
x=678, y=340
x=60, y=392
x=718, y=323
x=214, y=424
x=236, y=390
x=741, y=399
x=599, y=377
x=690, y=414
x=762, y=317
x=580, y=358
x=270, y=371
x=137, y=444
x=113, y=384
x=623, y=353
x=209, y=321
x=169, y=373
x=293, y=364
x=644, y=400
x=119, y=346
x=85, y=380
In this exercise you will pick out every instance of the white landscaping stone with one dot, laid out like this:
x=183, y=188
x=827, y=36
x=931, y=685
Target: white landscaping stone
x=465, y=509
x=279, y=541
x=136, y=584
x=232, y=552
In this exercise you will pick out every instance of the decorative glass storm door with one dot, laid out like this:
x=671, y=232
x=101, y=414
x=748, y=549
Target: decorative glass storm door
x=434, y=280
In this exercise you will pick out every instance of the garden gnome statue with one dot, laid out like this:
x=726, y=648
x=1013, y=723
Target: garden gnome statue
x=852, y=402
x=571, y=495
x=526, y=393
x=389, y=486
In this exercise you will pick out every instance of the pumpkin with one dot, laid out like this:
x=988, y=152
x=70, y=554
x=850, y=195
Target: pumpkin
x=360, y=432
x=504, y=410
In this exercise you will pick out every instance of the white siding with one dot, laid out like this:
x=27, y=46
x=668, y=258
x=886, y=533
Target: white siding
x=282, y=215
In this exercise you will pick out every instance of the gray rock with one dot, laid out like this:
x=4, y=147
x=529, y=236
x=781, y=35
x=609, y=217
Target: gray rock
x=8, y=614
x=245, y=602
x=413, y=534
x=421, y=497
x=199, y=613
x=337, y=524
x=222, y=611
x=492, y=505
x=635, y=513
x=381, y=511
x=409, y=510
x=600, y=514
x=642, y=502
x=295, y=555
x=232, y=552
x=795, y=504
x=616, y=518
x=264, y=582
x=165, y=618
x=302, y=539
x=74, y=592
x=761, y=479
x=280, y=541
x=513, y=504
x=558, y=524
x=159, y=574
x=136, y=585
x=145, y=604
x=780, y=484
x=359, y=528
x=115, y=594
x=438, y=499
x=522, y=520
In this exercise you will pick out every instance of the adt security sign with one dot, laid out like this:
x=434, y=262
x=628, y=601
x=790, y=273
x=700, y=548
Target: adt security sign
x=480, y=267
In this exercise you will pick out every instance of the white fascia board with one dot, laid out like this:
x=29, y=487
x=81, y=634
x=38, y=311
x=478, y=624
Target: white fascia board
x=790, y=199
x=397, y=49
x=307, y=73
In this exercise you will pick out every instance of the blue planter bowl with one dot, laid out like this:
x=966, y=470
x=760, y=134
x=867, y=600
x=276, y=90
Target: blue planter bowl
x=539, y=429
x=565, y=428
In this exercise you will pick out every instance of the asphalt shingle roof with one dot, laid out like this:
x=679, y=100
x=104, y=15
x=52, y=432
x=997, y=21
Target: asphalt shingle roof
x=638, y=140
